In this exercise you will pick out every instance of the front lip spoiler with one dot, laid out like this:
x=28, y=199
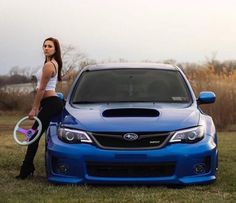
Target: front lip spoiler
x=122, y=181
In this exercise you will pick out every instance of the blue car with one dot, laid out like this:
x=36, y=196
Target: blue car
x=132, y=124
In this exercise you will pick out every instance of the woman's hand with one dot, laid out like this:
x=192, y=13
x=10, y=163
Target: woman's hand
x=34, y=112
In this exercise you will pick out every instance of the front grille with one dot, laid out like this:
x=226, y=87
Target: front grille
x=130, y=170
x=116, y=141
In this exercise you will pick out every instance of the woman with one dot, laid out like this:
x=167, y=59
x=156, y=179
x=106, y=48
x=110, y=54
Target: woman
x=46, y=104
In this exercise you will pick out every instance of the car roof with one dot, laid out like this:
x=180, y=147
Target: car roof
x=129, y=65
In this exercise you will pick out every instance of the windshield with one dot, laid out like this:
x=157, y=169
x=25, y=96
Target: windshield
x=131, y=85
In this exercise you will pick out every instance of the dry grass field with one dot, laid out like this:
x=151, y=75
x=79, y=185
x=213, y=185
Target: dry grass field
x=223, y=84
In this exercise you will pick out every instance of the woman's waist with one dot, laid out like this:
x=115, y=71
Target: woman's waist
x=49, y=93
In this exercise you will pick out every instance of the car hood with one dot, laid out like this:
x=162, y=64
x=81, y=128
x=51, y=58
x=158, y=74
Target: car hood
x=170, y=117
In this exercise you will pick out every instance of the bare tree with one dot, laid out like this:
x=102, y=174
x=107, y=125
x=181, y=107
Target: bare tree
x=15, y=70
x=72, y=59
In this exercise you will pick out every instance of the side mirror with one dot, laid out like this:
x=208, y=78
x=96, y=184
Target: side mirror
x=206, y=97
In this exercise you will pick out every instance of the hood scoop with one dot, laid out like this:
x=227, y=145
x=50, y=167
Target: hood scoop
x=130, y=112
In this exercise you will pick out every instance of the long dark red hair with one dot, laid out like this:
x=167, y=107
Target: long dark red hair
x=56, y=55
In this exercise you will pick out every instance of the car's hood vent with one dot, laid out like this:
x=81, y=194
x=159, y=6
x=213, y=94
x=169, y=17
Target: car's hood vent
x=130, y=112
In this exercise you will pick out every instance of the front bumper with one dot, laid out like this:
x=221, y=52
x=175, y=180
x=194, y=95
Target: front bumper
x=173, y=164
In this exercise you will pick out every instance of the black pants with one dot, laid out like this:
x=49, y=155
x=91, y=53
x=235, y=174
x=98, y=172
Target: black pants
x=49, y=107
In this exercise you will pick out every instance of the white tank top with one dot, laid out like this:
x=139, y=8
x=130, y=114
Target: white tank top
x=51, y=85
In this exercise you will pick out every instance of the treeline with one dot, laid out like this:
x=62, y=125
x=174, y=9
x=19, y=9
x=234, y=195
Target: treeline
x=14, y=79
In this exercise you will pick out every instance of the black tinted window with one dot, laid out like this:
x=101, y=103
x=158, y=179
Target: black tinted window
x=131, y=85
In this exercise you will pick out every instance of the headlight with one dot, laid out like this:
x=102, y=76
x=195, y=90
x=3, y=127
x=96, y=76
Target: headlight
x=73, y=136
x=189, y=135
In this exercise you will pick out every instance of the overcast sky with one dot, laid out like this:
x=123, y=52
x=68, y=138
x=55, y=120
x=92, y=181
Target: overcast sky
x=184, y=30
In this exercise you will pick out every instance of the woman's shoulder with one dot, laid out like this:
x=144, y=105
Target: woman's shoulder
x=48, y=67
x=51, y=63
x=51, y=67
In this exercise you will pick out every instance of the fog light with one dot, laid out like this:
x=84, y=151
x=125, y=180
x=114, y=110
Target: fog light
x=200, y=168
x=62, y=169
